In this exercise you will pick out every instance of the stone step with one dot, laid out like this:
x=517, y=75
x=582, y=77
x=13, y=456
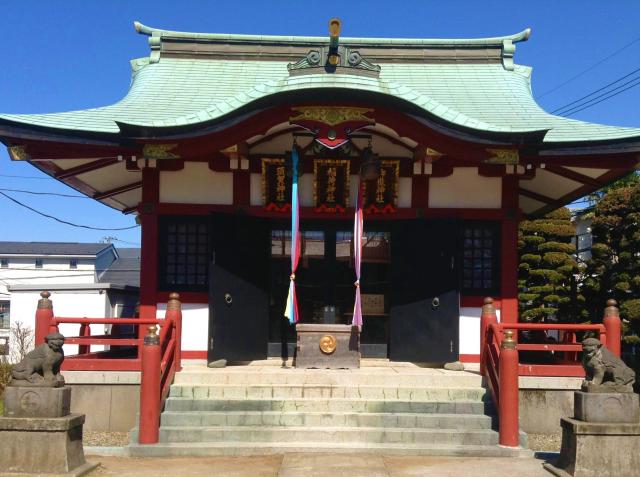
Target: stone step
x=263, y=448
x=327, y=391
x=328, y=405
x=386, y=377
x=326, y=434
x=318, y=419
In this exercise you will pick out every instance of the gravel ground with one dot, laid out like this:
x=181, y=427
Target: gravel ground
x=544, y=442
x=537, y=442
x=105, y=439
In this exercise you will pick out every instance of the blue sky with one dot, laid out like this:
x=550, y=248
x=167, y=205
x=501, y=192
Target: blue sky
x=65, y=55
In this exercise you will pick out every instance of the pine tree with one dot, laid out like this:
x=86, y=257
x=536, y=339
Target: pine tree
x=547, y=267
x=614, y=269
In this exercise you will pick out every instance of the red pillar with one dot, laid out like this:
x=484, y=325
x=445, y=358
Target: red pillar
x=508, y=414
x=174, y=312
x=150, y=389
x=613, y=327
x=44, y=315
x=509, y=245
x=487, y=318
x=148, y=213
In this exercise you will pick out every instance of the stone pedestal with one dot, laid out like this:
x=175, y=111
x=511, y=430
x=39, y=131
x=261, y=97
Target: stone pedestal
x=606, y=407
x=42, y=446
x=603, y=439
x=32, y=401
x=38, y=435
x=327, y=346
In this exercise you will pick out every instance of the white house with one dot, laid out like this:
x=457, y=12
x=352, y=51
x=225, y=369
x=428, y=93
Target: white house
x=85, y=279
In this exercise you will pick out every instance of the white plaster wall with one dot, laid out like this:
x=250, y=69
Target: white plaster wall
x=195, y=325
x=255, y=188
x=470, y=329
x=196, y=184
x=305, y=190
x=465, y=189
x=90, y=304
x=404, y=191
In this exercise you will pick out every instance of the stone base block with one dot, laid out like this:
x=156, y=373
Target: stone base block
x=33, y=401
x=42, y=446
x=597, y=450
x=327, y=346
x=606, y=407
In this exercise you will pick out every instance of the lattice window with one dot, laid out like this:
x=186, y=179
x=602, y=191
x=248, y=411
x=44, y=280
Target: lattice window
x=184, y=255
x=480, y=258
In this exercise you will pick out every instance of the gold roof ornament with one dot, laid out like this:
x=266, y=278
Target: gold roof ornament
x=331, y=115
x=18, y=153
x=503, y=156
x=159, y=151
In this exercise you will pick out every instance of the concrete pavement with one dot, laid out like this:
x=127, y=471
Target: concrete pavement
x=320, y=465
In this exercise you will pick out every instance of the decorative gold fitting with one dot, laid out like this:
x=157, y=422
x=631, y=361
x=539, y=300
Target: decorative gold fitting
x=487, y=307
x=174, y=301
x=612, y=308
x=18, y=153
x=508, y=342
x=335, y=25
x=152, y=337
x=328, y=344
x=334, y=60
x=44, y=303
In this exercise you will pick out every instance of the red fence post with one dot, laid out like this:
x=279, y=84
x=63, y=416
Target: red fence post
x=150, y=389
x=612, y=325
x=487, y=317
x=508, y=401
x=44, y=315
x=85, y=330
x=174, y=311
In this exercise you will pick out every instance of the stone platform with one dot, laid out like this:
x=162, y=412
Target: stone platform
x=42, y=446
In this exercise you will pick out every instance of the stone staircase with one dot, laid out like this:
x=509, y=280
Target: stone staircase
x=392, y=409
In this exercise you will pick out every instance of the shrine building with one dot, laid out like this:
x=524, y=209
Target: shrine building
x=438, y=143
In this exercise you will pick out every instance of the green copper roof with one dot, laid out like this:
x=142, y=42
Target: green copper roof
x=174, y=91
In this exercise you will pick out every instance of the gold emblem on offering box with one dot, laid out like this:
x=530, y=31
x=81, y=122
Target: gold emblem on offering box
x=381, y=194
x=276, y=186
x=328, y=344
x=331, y=185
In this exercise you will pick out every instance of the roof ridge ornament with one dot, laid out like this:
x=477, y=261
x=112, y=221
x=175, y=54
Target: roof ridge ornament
x=334, y=58
x=509, y=48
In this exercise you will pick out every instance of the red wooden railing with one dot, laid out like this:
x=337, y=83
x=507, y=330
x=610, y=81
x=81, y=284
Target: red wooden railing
x=157, y=356
x=500, y=364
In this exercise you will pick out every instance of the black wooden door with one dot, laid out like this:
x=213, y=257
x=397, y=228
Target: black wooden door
x=425, y=306
x=238, y=298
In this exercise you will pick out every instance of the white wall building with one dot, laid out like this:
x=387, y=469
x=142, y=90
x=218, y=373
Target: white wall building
x=84, y=279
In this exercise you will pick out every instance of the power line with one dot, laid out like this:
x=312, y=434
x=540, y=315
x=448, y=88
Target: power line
x=596, y=91
x=63, y=221
x=571, y=113
x=46, y=193
x=590, y=68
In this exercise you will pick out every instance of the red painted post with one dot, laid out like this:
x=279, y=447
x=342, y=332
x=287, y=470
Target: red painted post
x=85, y=330
x=613, y=327
x=487, y=318
x=150, y=389
x=44, y=315
x=174, y=311
x=508, y=405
